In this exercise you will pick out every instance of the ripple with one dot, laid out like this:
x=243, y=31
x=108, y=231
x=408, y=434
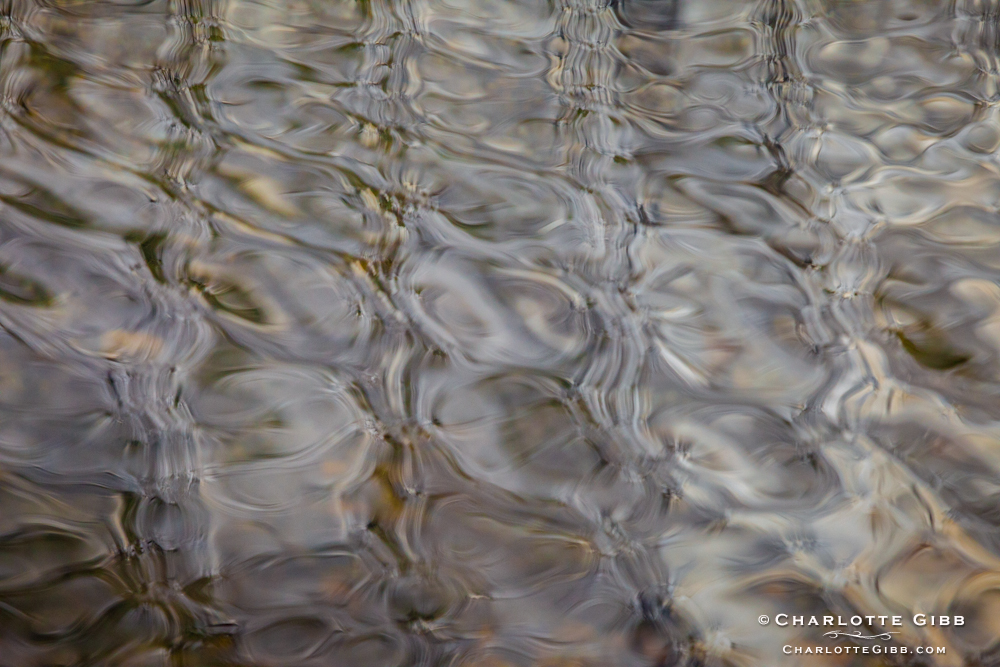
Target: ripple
x=418, y=332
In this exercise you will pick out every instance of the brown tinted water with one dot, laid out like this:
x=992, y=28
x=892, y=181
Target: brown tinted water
x=497, y=333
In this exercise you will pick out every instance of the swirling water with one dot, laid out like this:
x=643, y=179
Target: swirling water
x=496, y=332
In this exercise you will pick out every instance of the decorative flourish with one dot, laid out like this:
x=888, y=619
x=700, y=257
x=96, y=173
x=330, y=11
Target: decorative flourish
x=833, y=634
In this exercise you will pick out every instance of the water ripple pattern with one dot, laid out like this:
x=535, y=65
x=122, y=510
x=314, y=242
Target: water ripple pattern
x=497, y=333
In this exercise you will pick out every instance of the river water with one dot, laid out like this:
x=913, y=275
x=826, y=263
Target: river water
x=497, y=333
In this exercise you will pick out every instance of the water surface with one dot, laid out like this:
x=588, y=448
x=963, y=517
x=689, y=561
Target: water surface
x=496, y=333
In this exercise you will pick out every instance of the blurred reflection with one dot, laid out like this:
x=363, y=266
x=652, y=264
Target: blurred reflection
x=427, y=332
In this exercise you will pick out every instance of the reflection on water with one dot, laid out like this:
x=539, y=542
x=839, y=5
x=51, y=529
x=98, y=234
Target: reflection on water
x=496, y=333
